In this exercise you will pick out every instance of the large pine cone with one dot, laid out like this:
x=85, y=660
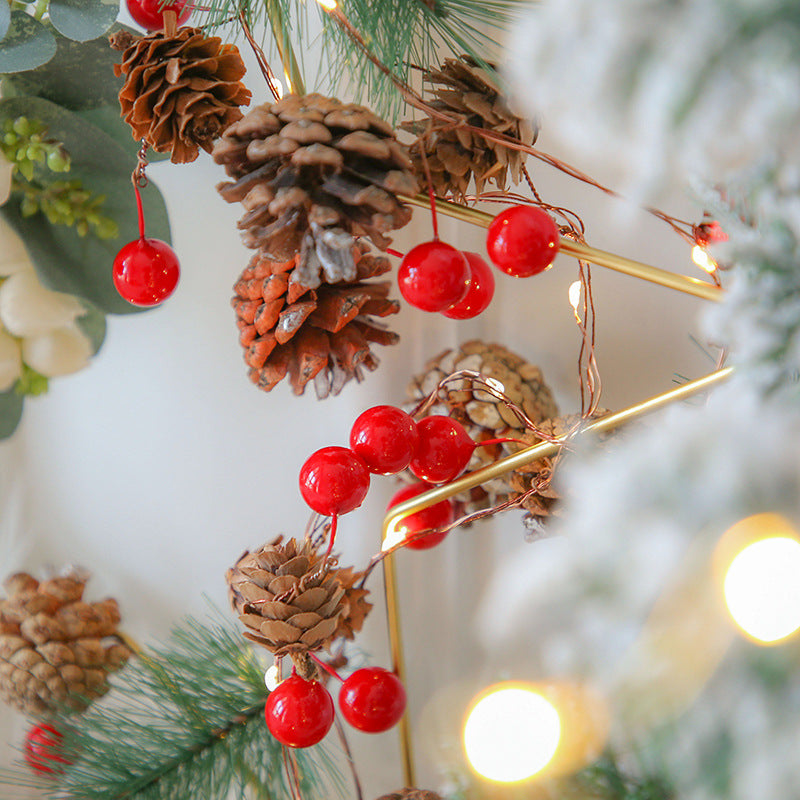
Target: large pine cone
x=181, y=91
x=466, y=91
x=312, y=173
x=312, y=326
x=288, y=600
x=56, y=651
x=483, y=416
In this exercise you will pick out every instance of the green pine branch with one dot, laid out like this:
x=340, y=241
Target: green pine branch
x=185, y=720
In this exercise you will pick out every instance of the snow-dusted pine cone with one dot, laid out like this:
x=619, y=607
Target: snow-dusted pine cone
x=313, y=325
x=483, y=416
x=312, y=173
x=56, y=650
x=181, y=89
x=455, y=155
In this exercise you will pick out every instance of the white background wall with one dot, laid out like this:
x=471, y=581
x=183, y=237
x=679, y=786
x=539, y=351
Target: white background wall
x=159, y=464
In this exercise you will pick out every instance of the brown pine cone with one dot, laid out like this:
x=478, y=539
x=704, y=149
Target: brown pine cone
x=470, y=93
x=312, y=173
x=312, y=326
x=356, y=607
x=287, y=598
x=181, y=91
x=56, y=650
x=481, y=414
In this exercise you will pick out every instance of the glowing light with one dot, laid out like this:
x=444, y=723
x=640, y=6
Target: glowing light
x=277, y=86
x=289, y=85
x=511, y=733
x=328, y=5
x=703, y=260
x=395, y=535
x=762, y=591
x=574, y=293
x=272, y=677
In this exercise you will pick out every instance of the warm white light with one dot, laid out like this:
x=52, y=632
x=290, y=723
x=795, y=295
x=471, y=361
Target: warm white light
x=277, y=86
x=574, y=293
x=272, y=677
x=328, y=5
x=703, y=260
x=511, y=733
x=289, y=85
x=762, y=589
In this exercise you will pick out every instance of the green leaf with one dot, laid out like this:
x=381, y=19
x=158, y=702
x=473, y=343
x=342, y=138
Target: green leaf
x=10, y=412
x=5, y=19
x=82, y=20
x=107, y=118
x=27, y=45
x=93, y=324
x=79, y=76
x=65, y=261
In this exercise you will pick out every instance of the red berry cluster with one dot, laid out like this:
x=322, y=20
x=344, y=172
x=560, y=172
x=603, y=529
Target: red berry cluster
x=385, y=440
x=434, y=276
x=150, y=13
x=299, y=713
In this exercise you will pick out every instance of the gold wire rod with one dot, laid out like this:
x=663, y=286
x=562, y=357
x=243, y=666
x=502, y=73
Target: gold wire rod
x=281, y=36
x=636, y=269
x=487, y=473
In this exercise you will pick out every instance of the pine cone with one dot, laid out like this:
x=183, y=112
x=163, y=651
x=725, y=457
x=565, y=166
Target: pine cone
x=181, y=91
x=313, y=326
x=468, y=92
x=482, y=415
x=411, y=794
x=288, y=600
x=55, y=650
x=312, y=173
x=355, y=608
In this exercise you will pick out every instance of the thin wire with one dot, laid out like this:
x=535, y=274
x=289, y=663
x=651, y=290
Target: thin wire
x=261, y=59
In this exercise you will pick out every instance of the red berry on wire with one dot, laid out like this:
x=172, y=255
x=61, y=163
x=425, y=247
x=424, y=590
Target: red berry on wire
x=334, y=480
x=522, y=241
x=384, y=438
x=372, y=699
x=480, y=292
x=433, y=276
x=44, y=750
x=439, y=515
x=298, y=712
x=150, y=13
x=146, y=272
x=443, y=451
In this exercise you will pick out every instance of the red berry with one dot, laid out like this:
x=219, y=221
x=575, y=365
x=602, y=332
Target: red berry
x=384, y=438
x=439, y=515
x=44, y=750
x=433, y=276
x=480, y=292
x=522, y=241
x=334, y=480
x=443, y=451
x=150, y=13
x=298, y=712
x=146, y=272
x=372, y=699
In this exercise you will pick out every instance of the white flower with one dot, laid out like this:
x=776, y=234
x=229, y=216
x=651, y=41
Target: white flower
x=10, y=361
x=13, y=255
x=58, y=352
x=28, y=309
x=6, y=171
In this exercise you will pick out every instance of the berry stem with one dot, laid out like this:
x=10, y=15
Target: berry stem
x=392, y=252
x=332, y=534
x=139, y=207
x=327, y=667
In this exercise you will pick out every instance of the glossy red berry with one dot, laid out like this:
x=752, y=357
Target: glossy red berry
x=150, y=13
x=439, y=515
x=299, y=712
x=522, y=241
x=480, y=292
x=146, y=272
x=443, y=450
x=372, y=699
x=44, y=750
x=384, y=438
x=433, y=276
x=334, y=480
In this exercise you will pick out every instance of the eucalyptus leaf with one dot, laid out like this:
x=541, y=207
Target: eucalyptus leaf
x=65, y=261
x=26, y=45
x=79, y=76
x=93, y=324
x=83, y=20
x=10, y=412
x=108, y=119
x=5, y=19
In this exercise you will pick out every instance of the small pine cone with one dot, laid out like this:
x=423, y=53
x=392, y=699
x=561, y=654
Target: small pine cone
x=355, y=608
x=411, y=794
x=181, y=90
x=56, y=650
x=470, y=93
x=287, y=598
x=291, y=322
x=306, y=167
x=481, y=414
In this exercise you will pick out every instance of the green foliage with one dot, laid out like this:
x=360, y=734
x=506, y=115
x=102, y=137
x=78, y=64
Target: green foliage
x=27, y=44
x=184, y=721
x=82, y=20
x=23, y=143
x=10, y=412
x=31, y=382
x=5, y=19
